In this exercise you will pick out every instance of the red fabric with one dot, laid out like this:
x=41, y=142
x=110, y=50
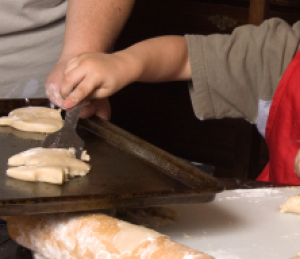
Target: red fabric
x=283, y=128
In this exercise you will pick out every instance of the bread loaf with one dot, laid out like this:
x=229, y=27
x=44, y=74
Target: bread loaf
x=93, y=236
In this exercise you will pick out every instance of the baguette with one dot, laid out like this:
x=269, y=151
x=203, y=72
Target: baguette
x=93, y=236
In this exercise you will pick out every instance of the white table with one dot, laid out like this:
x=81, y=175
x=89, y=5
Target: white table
x=240, y=224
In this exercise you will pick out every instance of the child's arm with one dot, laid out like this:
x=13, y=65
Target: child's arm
x=297, y=163
x=99, y=75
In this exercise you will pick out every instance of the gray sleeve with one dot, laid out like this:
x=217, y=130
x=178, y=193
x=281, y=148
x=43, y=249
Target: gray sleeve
x=231, y=73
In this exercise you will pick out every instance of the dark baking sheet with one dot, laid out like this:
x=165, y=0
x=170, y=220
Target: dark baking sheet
x=125, y=171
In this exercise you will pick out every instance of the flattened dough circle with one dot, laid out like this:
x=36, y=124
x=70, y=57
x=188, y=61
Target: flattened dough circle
x=34, y=119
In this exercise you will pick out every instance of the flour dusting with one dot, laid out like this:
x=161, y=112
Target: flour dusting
x=257, y=193
x=221, y=254
x=252, y=195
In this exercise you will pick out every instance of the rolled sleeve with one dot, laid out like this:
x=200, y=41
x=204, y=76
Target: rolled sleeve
x=199, y=89
x=231, y=73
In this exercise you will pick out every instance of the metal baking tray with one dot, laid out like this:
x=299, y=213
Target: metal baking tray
x=125, y=171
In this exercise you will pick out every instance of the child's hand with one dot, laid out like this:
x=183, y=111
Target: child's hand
x=95, y=75
x=98, y=107
x=53, y=82
x=297, y=163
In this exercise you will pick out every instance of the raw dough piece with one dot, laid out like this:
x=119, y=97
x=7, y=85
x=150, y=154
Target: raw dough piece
x=297, y=257
x=34, y=119
x=85, y=156
x=291, y=205
x=23, y=134
x=54, y=174
x=53, y=165
x=93, y=236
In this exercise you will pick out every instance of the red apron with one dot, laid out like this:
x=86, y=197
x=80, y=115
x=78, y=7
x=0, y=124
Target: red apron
x=283, y=128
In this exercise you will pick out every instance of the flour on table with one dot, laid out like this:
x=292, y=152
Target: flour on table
x=253, y=195
x=257, y=193
x=222, y=254
x=34, y=119
x=52, y=165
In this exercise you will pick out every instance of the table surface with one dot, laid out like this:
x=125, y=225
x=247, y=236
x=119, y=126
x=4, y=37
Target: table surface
x=240, y=223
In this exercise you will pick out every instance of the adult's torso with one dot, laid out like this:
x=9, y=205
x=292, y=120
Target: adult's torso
x=31, y=34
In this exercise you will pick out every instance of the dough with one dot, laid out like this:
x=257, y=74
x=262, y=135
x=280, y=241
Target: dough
x=34, y=119
x=53, y=165
x=291, y=205
x=23, y=134
x=93, y=236
x=297, y=257
x=54, y=174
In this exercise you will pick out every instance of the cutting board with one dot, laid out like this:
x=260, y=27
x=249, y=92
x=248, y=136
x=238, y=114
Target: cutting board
x=240, y=224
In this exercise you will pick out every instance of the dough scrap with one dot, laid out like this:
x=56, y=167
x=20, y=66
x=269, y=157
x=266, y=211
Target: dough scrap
x=85, y=156
x=34, y=119
x=297, y=256
x=53, y=165
x=291, y=205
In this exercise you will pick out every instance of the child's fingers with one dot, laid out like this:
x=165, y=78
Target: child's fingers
x=98, y=107
x=70, y=80
x=87, y=111
x=82, y=90
x=103, y=108
x=71, y=65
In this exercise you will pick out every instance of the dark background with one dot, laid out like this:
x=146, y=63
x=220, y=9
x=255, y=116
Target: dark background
x=162, y=113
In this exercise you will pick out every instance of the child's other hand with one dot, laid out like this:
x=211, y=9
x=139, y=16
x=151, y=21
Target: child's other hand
x=297, y=163
x=95, y=75
x=98, y=107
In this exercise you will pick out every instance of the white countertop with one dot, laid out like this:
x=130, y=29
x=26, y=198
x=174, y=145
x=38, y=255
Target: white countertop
x=240, y=224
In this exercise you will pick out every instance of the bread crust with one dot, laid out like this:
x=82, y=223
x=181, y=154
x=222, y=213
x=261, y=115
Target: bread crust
x=93, y=236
